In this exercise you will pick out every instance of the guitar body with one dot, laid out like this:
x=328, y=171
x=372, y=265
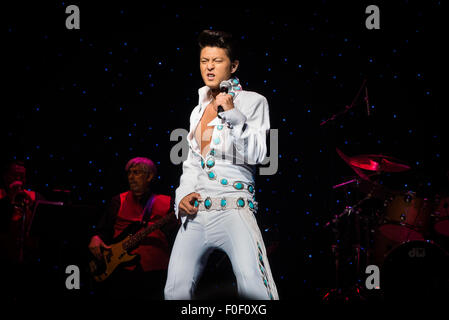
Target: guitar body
x=114, y=257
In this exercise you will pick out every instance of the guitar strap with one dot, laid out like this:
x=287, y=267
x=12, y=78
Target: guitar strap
x=147, y=210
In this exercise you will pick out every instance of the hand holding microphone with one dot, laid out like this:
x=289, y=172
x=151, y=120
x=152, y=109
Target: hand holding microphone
x=223, y=99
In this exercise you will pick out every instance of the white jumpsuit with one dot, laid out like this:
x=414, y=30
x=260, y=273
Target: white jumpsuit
x=225, y=181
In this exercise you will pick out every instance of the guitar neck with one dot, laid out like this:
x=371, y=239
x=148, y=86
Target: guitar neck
x=139, y=236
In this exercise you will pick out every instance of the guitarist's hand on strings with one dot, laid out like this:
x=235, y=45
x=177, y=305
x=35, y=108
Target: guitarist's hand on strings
x=187, y=204
x=96, y=245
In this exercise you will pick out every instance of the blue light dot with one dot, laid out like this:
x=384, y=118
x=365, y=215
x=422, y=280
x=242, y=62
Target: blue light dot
x=299, y=66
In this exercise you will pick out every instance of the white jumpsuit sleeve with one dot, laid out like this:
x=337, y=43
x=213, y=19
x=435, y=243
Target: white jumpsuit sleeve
x=249, y=128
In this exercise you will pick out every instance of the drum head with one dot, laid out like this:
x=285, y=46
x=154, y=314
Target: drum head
x=442, y=227
x=400, y=233
x=416, y=271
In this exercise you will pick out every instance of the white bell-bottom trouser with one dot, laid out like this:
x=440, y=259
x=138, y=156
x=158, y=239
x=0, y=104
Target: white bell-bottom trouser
x=235, y=231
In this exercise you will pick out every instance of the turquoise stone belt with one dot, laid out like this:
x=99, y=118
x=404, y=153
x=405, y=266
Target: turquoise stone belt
x=222, y=203
x=237, y=185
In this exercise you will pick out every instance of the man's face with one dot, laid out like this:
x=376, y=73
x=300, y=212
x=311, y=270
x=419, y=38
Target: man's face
x=139, y=179
x=216, y=66
x=15, y=173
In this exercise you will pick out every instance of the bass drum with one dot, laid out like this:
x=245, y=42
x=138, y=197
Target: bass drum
x=441, y=217
x=415, y=271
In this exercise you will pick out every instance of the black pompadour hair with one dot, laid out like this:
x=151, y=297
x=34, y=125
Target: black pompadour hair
x=220, y=39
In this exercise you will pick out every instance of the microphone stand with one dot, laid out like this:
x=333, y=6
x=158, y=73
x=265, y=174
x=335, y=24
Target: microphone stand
x=334, y=116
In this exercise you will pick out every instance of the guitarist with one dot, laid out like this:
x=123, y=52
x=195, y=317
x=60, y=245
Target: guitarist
x=146, y=277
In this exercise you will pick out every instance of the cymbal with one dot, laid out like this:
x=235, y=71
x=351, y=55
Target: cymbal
x=374, y=162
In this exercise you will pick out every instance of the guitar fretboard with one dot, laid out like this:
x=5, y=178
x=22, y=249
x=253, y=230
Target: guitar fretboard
x=134, y=241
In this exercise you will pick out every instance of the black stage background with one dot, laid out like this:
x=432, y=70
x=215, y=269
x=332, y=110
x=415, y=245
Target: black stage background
x=80, y=103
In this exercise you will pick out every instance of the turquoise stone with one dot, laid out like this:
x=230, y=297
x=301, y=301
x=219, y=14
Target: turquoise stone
x=202, y=163
x=211, y=175
x=235, y=81
x=260, y=258
x=224, y=181
x=217, y=140
x=251, y=204
x=207, y=203
x=219, y=127
x=210, y=163
x=223, y=202
x=262, y=269
x=271, y=297
x=196, y=203
x=212, y=152
x=238, y=186
x=250, y=189
x=232, y=94
x=240, y=203
x=265, y=282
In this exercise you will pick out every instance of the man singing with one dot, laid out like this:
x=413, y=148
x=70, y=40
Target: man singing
x=216, y=196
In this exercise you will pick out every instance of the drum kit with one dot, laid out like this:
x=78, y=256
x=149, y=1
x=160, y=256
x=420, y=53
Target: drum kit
x=403, y=232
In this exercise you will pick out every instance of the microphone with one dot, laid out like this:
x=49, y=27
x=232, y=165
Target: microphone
x=224, y=87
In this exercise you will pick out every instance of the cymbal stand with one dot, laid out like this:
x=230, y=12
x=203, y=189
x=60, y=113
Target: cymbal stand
x=338, y=293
